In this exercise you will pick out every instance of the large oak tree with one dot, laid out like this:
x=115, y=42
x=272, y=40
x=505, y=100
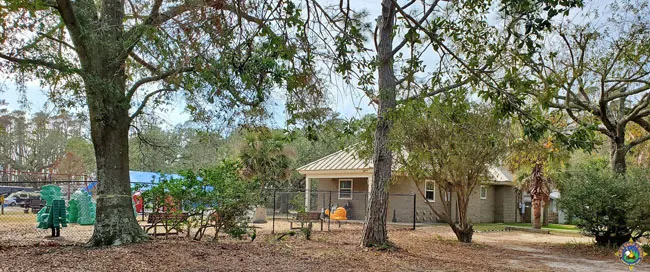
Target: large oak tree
x=597, y=74
x=117, y=58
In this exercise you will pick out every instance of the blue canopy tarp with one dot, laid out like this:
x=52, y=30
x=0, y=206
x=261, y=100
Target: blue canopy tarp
x=140, y=177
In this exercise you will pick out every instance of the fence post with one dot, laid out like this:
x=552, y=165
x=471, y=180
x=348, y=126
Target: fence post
x=273, y=228
x=414, y=203
x=365, y=206
x=329, y=217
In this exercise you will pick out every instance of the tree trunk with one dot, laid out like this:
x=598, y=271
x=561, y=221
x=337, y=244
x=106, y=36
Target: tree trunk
x=545, y=214
x=537, y=212
x=463, y=234
x=374, y=228
x=463, y=229
x=109, y=121
x=618, y=152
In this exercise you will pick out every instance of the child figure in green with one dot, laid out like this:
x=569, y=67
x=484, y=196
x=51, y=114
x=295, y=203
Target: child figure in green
x=54, y=215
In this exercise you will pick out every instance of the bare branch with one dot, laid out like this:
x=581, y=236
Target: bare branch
x=137, y=84
x=144, y=63
x=436, y=91
x=57, y=40
x=146, y=99
x=417, y=23
x=624, y=94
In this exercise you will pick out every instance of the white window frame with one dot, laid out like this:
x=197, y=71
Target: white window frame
x=434, y=190
x=351, y=186
x=480, y=193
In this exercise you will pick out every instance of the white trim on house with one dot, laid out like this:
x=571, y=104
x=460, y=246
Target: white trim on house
x=481, y=191
x=429, y=190
x=361, y=173
x=351, y=188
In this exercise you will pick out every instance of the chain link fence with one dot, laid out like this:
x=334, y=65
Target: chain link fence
x=332, y=210
x=281, y=211
x=22, y=201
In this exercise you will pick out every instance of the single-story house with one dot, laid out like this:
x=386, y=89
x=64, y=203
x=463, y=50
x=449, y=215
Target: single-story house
x=350, y=178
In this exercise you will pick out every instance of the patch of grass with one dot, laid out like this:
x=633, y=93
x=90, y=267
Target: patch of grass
x=550, y=226
x=17, y=217
x=557, y=228
x=490, y=227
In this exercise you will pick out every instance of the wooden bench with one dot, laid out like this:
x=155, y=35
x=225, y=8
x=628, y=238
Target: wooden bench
x=34, y=204
x=169, y=221
x=305, y=217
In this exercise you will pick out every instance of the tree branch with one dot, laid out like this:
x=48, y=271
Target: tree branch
x=624, y=94
x=146, y=99
x=137, y=84
x=144, y=63
x=57, y=40
x=67, y=15
x=157, y=18
x=419, y=22
x=638, y=141
x=435, y=92
x=42, y=63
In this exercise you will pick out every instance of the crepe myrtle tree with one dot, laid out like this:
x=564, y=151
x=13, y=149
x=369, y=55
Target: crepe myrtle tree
x=452, y=142
x=117, y=58
x=463, y=48
x=598, y=75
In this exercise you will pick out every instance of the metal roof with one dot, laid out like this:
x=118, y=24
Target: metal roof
x=501, y=174
x=340, y=160
x=347, y=159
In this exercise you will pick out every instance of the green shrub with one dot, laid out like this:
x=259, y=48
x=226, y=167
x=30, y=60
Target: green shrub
x=307, y=230
x=217, y=198
x=610, y=206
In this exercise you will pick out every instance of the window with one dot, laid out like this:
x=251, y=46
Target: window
x=430, y=190
x=483, y=192
x=345, y=189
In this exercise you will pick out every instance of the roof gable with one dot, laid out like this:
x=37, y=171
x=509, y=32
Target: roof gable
x=340, y=160
x=347, y=159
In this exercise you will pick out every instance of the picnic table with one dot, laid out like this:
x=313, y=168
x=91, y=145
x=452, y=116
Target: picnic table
x=169, y=221
x=305, y=217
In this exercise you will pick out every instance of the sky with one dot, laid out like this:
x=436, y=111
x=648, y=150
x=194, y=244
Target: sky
x=347, y=101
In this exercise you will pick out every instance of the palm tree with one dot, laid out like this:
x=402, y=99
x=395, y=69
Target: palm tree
x=266, y=159
x=539, y=187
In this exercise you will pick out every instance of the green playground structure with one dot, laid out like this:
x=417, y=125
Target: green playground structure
x=54, y=215
x=81, y=208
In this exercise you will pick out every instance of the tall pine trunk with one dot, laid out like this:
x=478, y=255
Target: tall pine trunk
x=374, y=229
